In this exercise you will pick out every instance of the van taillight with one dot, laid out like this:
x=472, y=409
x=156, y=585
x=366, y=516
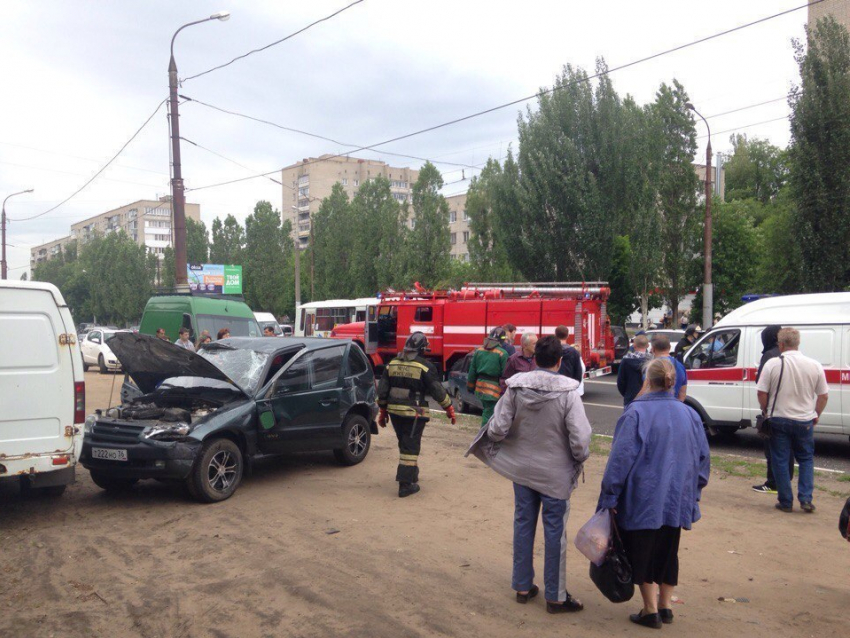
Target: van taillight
x=79, y=402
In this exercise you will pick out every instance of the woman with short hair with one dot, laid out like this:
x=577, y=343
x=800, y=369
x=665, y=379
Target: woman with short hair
x=658, y=466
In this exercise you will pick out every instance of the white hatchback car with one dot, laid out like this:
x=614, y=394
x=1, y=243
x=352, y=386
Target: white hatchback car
x=95, y=351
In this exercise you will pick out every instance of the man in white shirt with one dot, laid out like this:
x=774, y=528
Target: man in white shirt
x=794, y=406
x=183, y=341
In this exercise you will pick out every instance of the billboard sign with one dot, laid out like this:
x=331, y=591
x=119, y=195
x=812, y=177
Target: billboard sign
x=215, y=279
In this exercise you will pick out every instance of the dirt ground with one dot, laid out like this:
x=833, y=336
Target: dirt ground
x=309, y=548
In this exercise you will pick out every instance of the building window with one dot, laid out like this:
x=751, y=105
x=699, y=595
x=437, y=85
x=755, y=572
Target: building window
x=304, y=191
x=465, y=215
x=452, y=216
x=345, y=181
x=453, y=239
x=357, y=182
x=304, y=179
x=466, y=237
x=464, y=257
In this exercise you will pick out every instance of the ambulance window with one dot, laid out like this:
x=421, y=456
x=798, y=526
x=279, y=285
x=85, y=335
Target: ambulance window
x=717, y=350
x=424, y=314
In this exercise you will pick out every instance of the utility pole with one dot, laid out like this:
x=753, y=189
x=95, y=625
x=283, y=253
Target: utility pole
x=178, y=198
x=297, y=263
x=707, y=287
x=4, y=266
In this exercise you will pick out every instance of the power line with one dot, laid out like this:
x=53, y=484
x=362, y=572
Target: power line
x=233, y=161
x=744, y=108
x=95, y=176
x=738, y=128
x=316, y=135
x=268, y=46
x=538, y=94
x=80, y=157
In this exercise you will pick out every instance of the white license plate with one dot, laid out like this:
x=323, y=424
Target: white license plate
x=108, y=454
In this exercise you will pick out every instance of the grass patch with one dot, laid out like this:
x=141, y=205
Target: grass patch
x=837, y=493
x=844, y=478
x=600, y=445
x=737, y=467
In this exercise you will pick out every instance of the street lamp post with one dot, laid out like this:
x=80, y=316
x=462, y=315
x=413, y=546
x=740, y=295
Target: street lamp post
x=178, y=201
x=707, y=286
x=297, y=263
x=4, y=267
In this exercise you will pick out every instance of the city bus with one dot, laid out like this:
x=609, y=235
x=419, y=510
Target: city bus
x=318, y=318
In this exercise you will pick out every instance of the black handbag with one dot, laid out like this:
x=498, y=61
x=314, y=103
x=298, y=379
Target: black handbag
x=762, y=421
x=844, y=520
x=614, y=576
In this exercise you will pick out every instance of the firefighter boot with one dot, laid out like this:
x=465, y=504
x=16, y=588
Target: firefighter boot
x=406, y=489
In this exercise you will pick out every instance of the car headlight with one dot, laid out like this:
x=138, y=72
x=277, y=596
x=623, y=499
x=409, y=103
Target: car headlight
x=89, y=424
x=167, y=431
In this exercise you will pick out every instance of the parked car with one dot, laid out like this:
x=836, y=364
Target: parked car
x=42, y=388
x=621, y=342
x=463, y=399
x=673, y=335
x=267, y=319
x=95, y=350
x=286, y=329
x=199, y=418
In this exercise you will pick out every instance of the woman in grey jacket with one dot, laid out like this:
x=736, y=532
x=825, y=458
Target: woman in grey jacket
x=539, y=438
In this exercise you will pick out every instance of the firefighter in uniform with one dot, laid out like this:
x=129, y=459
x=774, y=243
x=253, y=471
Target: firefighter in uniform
x=407, y=381
x=486, y=368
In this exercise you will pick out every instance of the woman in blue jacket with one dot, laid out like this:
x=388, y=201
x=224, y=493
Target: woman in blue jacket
x=658, y=465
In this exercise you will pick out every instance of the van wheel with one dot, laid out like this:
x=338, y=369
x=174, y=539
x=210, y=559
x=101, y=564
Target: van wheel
x=217, y=471
x=101, y=364
x=112, y=483
x=51, y=491
x=356, y=440
x=86, y=366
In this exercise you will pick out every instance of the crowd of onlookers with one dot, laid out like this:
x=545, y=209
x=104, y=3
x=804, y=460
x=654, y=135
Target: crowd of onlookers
x=535, y=433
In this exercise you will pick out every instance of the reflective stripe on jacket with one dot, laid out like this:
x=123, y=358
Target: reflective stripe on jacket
x=406, y=383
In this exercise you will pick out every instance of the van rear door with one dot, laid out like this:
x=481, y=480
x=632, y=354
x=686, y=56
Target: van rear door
x=36, y=374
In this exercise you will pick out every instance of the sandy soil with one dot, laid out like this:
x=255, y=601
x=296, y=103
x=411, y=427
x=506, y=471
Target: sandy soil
x=308, y=548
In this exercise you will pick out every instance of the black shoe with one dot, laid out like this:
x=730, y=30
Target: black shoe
x=783, y=508
x=569, y=605
x=524, y=598
x=406, y=489
x=653, y=621
x=764, y=489
x=808, y=508
x=666, y=616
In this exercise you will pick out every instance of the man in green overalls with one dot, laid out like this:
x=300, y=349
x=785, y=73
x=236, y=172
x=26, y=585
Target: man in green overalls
x=486, y=368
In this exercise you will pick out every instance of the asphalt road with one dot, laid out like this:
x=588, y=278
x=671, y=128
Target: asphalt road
x=604, y=405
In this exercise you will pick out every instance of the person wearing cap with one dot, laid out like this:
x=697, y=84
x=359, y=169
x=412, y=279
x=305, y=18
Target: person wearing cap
x=402, y=395
x=486, y=368
x=691, y=334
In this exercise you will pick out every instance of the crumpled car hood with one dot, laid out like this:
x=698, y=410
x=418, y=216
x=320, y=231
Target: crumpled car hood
x=150, y=361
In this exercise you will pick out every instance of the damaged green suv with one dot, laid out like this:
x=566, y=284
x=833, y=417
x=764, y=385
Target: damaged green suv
x=202, y=418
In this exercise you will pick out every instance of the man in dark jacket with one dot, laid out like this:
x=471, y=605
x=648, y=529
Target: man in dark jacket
x=522, y=361
x=770, y=343
x=630, y=374
x=570, y=357
x=402, y=394
x=691, y=334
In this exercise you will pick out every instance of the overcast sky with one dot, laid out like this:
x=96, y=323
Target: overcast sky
x=80, y=77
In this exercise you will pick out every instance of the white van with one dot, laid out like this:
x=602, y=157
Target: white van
x=42, y=391
x=722, y=364
x=268, y=319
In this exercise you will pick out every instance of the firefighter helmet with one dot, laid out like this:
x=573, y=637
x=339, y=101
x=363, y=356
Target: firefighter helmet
x=416, y=342
x=496, y=337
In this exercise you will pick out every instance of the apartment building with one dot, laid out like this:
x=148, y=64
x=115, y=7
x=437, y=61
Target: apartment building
x=839, y=9
x=308, y=182
x=148, y=222
x=458, y=227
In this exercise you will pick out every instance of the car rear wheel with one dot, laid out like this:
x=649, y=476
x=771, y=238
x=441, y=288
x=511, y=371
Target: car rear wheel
x=85, y=366
x=101, y=364
x=460, y=405
x=356, y=441
x=217, y=471
x=112, y=483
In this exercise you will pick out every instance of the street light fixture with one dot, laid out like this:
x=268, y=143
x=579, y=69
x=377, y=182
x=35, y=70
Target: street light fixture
x=4, y=267
x=707, y=286
x=178, y=201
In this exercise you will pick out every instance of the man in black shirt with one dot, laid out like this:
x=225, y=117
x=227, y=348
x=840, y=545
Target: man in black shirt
x=570, y=357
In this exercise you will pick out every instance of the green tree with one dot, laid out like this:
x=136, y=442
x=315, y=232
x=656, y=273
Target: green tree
x=197, y=242
x=757, y=169
x=487, y=254
x=820, y=155
x=268, y=246
x=167, y=269
x=675, y=144
x=736, y=254
x=334, y=246
x=228, y=241
x=623, y=300
x=780, y=268
x=427, y=246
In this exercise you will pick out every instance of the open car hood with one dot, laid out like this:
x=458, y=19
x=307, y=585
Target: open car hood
x=150, y=361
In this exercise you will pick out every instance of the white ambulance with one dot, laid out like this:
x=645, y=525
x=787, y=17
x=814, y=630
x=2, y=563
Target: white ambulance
x=722, y=364
x=42, y=391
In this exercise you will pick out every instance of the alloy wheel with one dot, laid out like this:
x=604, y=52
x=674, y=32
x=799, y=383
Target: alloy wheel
x=221, y=472
x=357, y=440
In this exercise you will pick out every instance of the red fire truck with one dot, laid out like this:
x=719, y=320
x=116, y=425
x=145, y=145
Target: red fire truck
x=456, y=321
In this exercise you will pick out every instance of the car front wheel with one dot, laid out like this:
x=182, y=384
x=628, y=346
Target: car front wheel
x=356, y=441
x=217, y=471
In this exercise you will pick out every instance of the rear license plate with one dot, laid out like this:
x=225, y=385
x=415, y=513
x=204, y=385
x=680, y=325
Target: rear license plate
x=108, y=454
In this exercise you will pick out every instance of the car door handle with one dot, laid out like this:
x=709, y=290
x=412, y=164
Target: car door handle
x=327, y=402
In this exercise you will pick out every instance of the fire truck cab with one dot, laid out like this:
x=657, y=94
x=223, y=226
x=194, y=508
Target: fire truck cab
x=456, y=322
